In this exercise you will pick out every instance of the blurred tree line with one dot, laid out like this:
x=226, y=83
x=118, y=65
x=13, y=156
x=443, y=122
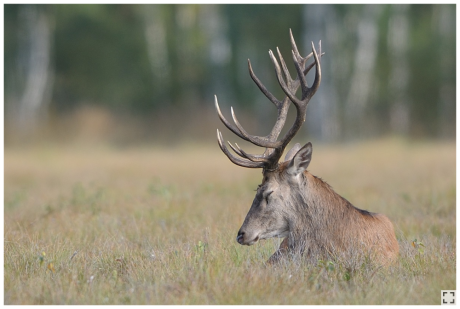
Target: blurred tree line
x=387, y=68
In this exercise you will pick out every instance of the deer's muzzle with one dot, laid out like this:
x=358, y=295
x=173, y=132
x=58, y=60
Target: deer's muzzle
x=242, y=240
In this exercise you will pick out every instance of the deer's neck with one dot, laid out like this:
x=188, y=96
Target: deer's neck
x=318, y=211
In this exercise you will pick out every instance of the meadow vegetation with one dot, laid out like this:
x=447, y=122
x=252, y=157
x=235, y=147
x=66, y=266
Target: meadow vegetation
x=157, y=225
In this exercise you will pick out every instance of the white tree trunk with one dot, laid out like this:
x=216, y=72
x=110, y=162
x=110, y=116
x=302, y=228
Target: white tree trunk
x=398, y=44
x=362, y=79
x=445, y=26
x=157, y=49
x=320, y=23
x=218, y=49
x=35, y=55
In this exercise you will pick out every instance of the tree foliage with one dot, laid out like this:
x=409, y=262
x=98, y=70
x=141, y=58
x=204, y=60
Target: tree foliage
x=145, y=58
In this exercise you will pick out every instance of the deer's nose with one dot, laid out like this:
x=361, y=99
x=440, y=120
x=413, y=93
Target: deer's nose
x=239, y=238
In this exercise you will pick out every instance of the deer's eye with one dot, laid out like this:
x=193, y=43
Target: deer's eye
x=267, y=195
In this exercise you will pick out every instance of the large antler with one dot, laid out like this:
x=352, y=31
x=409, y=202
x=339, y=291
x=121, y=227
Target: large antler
x=274, y=149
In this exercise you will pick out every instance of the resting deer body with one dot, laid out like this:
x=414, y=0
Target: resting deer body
x=293, y=204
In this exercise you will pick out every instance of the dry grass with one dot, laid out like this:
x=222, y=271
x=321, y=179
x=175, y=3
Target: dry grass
x=158, y=226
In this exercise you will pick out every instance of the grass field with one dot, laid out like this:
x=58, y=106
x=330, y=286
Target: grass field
x=147, y=225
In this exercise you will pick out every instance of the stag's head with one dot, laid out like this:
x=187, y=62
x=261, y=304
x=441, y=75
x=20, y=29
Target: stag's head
x=269, y=215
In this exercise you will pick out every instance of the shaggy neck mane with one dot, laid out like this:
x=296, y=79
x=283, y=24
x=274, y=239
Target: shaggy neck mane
x=327, y=215
x=318, y=193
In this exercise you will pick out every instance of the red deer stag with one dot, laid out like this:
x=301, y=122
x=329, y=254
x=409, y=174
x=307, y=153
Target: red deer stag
x=293, y=204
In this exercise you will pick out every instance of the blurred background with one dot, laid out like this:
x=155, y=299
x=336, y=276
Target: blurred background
x=130, y=74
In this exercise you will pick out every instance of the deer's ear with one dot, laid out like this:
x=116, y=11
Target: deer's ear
x=300, y=161
x=292, y=152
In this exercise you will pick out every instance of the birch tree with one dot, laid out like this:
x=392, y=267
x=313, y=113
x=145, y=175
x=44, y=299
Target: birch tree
x=34, y=61
x=157, y=48
x=320, y=23
x=445, y=27
x=398, y=45
x=362, y=78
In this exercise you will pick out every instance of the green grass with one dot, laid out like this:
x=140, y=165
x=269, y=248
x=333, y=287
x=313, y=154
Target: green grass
x=158, y=226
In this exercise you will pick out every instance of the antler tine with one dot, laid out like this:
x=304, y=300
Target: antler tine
x=262, y=88
x=243, y=154
x=306, y=91
x=225, y=122
x=281, y=120
x=296, y=53
x=300, y=75
x=317, y=80
x=294, y=47
x=235, y=160
x=301, y=59
x=253, y=158
x=256, y=140
x=290, y=82
x=235, y=149
x=281, y=81
x=307, y=69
